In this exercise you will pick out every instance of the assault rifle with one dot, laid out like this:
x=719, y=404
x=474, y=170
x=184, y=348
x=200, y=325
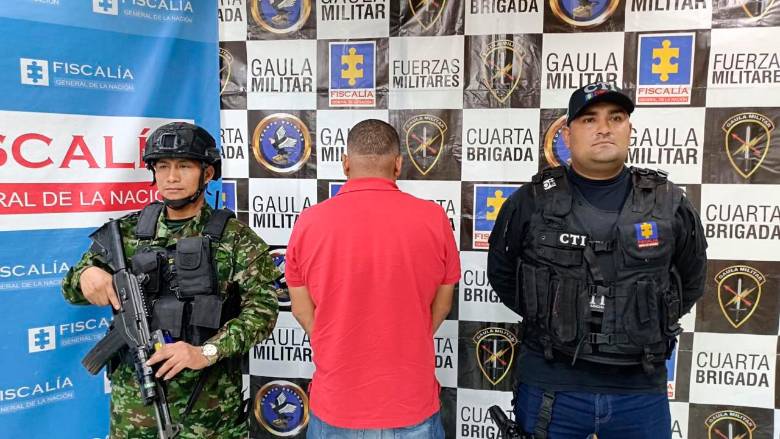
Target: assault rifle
x=130, y=328
x=509, y=429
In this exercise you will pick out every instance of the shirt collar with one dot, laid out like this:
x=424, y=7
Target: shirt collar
x=368, y=184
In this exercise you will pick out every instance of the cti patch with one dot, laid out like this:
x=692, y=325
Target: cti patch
x=646, y=234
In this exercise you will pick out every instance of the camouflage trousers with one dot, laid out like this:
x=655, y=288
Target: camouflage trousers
x=214, y=414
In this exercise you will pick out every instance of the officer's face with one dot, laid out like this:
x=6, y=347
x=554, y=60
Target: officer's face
x=178, y=178
x=598, y=139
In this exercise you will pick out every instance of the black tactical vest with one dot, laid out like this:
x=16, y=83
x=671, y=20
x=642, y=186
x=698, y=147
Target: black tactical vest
x=180, y=283
x=611, y=301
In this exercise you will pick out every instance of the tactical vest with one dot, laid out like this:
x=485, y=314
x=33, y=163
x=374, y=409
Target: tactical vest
x=180, y=283
x=612, y=301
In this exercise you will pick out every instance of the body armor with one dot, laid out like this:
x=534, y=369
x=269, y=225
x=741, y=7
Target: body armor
x=180, y=282
x=600, y=291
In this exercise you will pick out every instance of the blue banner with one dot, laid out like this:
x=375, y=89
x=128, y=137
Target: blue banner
x=83, y=83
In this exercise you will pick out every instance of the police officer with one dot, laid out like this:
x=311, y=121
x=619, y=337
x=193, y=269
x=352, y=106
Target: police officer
x=601, y=261
x=209, y=279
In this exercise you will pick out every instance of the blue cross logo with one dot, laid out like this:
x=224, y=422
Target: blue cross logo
x=42, y=339
x=105, y=4
x=34, y=72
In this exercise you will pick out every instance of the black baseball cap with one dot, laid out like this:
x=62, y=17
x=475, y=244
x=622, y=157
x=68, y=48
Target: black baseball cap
x=587, y=95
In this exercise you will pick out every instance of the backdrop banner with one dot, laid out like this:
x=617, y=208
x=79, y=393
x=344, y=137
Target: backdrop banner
x=477, y=90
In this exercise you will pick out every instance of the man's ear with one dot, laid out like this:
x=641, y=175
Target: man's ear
x=565, y=132
x=208, y=174
x=345, y=164
x=399, y=161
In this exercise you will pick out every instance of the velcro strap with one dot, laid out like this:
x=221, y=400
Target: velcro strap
x=642, y=296
x=543, y=279
x=601, y=290
x=529, y=292
x=545, y=415
x=610, y=339
x=602, y=246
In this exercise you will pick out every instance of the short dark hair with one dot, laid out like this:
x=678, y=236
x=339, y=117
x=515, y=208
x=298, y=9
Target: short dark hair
x=373, y=137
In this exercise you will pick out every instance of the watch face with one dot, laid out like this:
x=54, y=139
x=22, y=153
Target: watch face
x=209, y=350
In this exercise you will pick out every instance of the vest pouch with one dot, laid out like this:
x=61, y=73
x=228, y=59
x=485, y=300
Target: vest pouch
x=193, y=266
x=528, y=292
x=148, y=263
x=206, y=312
x=566, y=310
x=647, y=244
x=672, y=305
x=168, y=314
x=205, y=318
x=641, y=315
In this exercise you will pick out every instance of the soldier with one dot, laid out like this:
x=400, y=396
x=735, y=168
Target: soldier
x=208, y=278
x=601, y=261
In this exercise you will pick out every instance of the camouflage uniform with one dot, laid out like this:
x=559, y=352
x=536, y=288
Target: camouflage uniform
x=242, y=259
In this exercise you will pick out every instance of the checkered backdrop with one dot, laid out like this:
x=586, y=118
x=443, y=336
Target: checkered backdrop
x=477, y=91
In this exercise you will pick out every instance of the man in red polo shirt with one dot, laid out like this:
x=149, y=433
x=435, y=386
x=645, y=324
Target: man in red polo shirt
x=371, y=274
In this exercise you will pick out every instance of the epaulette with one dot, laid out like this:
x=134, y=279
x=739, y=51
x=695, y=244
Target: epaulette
x=554, y=172
x=647, y=177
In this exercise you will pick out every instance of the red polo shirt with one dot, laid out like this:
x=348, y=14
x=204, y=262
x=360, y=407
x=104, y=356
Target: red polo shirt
x=372, y=258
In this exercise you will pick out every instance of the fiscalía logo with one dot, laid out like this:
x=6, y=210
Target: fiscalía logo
x=502, y=68
x=282, y=408
x=424, y=141
x=427, y=12
x=739, y=291
x=108, y=7
x=665, y=68
x=41, y=339
x=556, y=151
x=34, y=71
x=280, y=283
x=38, y=390
x=488, y=200
x=646, y=234
x=228, y=195
x=495, y=349
x=280, y=16
x=584, y=13
x=729, y=424
x=352, y=74
x=281, y=142
x=334, y=187
x=747, y=140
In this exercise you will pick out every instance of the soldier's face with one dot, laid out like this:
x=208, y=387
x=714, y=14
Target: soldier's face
x=179, y=178
x=598, y=139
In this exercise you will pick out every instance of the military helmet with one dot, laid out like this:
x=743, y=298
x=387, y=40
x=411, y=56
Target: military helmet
x=182, y=140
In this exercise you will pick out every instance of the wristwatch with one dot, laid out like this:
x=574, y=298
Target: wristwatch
x=210, y=352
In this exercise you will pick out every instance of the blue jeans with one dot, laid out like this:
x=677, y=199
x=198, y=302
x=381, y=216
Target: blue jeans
x=576, y=415
x=430, y=428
